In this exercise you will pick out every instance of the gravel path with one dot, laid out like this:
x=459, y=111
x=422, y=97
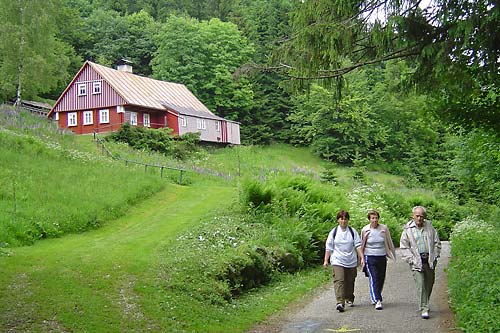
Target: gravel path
x=399, y=314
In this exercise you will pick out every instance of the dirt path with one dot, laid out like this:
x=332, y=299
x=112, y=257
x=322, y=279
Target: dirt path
x=400, y=307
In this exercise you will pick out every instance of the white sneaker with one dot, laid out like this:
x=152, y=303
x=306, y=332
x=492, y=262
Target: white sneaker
x=349, y=303
x=425, y=314
x=340, y=307
x=378, y=306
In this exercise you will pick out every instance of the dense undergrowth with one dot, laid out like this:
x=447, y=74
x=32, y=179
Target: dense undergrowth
x=474, y=275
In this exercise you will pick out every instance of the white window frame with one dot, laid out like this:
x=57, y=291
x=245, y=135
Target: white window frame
x=217, y=125
x=133, y=118
x=146, y=120
x=183, y=121
x=72, y=119
x=120, y=109
x=104, y=116
x=201, y=124
x=88, y=117
x=96, y=87
x=82, y=89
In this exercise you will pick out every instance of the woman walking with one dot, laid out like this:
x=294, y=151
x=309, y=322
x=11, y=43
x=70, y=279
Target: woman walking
x=342, y=250
x=376, y=245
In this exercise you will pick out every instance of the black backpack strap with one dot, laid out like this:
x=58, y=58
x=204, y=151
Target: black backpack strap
x=352, y=232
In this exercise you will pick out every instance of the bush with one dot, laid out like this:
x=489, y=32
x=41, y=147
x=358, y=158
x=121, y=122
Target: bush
x=157, y=140
x=474, y=275
x=256, y=194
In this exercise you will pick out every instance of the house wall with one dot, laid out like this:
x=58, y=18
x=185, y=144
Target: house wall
x=115, y=121
x=173, y=123
x=228, y=132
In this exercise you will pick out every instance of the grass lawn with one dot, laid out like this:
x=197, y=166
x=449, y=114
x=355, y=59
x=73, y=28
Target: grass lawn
x=103, y=280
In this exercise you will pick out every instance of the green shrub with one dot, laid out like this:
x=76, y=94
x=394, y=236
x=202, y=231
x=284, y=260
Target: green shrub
x=474, y=275
x=157, y=140
x=256, y=194
x=329, y=176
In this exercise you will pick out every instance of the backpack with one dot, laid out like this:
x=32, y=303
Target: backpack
x=350, y=229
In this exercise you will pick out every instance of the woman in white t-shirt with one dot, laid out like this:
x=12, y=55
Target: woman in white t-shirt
x=376, y=245
x=342, y=250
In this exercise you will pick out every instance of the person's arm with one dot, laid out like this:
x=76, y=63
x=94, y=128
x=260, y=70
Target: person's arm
x=360, y=256
x=326, y=261
x=404, y=245
x=359, y=249
x=328, y=249
x=437, y=244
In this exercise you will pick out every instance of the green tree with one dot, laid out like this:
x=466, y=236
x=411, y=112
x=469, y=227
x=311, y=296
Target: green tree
x=344, y=132
x=204, y=56
x=454, y=45
x=32, y=59
x=110, y=37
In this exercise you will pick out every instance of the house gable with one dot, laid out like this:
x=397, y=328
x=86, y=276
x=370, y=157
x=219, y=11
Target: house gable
x=87, y=79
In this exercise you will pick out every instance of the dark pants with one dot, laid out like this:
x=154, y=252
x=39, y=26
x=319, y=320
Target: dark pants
x=376, y=268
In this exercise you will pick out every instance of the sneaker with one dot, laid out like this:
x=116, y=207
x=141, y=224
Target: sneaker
x=425, y=314
x=340, y=307
x=349, y=303
x=378, y=306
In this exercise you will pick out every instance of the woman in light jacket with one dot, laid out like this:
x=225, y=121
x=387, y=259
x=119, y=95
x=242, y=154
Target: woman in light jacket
x=377, y=246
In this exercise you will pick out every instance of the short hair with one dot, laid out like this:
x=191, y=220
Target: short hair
x=343, y=213
x=372, y=212
x=419, y=207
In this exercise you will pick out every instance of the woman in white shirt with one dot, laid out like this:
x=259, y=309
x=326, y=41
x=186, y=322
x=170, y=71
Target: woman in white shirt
x=376, y=245
x=343, y=251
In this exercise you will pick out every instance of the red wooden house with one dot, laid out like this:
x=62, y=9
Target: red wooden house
x=101, y=99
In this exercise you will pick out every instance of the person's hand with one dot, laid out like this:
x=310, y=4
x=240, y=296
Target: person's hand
x=325, y=264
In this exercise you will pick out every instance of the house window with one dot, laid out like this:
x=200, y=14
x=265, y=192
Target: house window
x=147, y=120
x=72, y=119
x=217, y=126
x=87, y=118
x=96, y=87
x=82, y=89
x=201, y=124
x=183, y=121
x=120, y=109
x=133, y=118
x=104, y=116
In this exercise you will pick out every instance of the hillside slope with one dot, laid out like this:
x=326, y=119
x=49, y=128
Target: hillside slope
x=66, y=284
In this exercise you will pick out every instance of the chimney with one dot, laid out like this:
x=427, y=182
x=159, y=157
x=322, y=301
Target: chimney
x=124, y=65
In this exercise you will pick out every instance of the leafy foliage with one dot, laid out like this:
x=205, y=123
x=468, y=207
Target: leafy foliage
x=451, y=42
x=474, y=274
x=203, y=56
x=33, y=60
x=158, y=140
